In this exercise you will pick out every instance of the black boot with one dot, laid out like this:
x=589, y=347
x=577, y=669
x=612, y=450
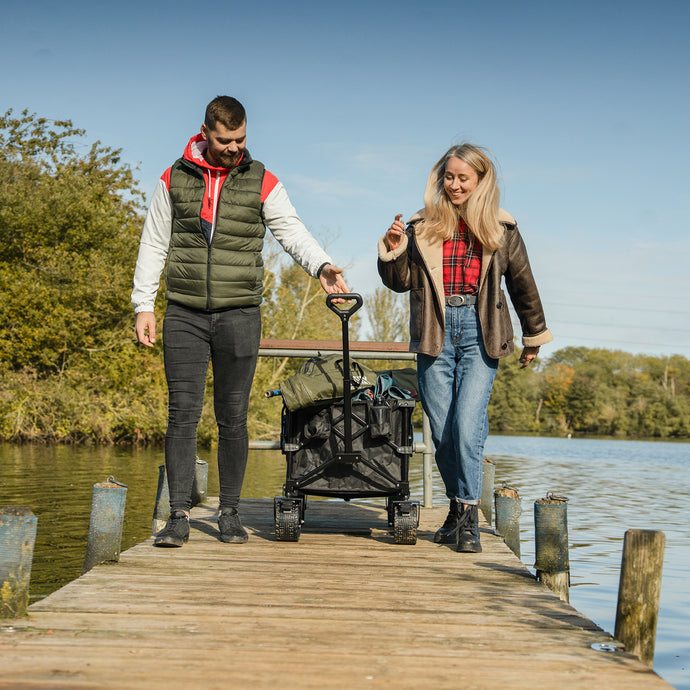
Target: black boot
x=230, y=527
x=468, y=529
x=175, y=532
x=448, y=534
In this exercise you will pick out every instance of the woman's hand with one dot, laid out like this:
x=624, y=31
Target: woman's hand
x=395, y=233
x=527, y=355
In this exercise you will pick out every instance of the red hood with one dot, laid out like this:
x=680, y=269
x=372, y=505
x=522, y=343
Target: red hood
x=213, y=178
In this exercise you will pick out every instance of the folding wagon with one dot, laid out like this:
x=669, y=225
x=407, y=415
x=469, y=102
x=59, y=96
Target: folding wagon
x=351, y=448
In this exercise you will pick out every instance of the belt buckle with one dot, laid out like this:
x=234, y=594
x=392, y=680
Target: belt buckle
x=456, y=300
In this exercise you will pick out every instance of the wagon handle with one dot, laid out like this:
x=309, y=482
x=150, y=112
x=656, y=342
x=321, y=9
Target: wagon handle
x=345, y=315
x=344, y=312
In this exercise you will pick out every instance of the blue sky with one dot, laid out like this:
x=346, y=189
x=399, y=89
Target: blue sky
x=585, y=106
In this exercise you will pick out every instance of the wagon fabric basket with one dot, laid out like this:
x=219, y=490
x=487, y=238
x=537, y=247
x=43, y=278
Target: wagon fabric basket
x=381, y=445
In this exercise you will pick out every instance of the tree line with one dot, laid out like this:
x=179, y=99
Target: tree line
x=598, y=392
x=70, y=370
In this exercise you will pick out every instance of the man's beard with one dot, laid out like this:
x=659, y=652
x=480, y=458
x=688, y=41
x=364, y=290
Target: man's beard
x=230, y=160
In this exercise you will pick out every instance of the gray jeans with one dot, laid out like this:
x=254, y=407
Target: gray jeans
x=230, y=341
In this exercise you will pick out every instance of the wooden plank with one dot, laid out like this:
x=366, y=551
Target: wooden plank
x=342, y=608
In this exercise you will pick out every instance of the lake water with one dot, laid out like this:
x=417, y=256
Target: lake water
x=612, y=486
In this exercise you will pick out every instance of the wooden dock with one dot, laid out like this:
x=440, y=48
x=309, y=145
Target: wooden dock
x=342, y=608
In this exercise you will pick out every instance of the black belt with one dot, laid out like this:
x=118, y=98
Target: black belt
x=460, y=300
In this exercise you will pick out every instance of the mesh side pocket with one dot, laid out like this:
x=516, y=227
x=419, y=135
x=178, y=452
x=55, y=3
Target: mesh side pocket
x=380, y=421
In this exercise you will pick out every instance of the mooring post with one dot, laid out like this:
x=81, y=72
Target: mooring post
x=161, y=510
x=508, y=517
x=200, y=485
x=551, y=544
x=486, y=504
x=639, y=591
x=105, y=528
x=17, y=538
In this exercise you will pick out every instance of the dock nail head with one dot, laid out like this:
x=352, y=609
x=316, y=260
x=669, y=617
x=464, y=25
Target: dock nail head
x=607, y=647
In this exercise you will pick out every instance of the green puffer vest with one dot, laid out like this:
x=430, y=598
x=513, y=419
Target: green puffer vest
x=228, y=272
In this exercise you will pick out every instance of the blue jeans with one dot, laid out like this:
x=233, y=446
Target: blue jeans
x=230, y=340
x=455, y=388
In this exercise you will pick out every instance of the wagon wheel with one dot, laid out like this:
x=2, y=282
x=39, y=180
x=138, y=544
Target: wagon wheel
x=405, y=528
x=288, y=524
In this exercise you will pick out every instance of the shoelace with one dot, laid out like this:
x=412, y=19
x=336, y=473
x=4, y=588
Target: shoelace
x=465, y=518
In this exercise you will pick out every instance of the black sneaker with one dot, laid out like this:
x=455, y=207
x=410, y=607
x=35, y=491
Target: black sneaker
x=468, y=533
x=230, y=527
x=448, y=533
x=175, y=532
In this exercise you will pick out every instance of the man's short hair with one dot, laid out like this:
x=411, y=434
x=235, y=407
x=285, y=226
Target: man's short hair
x=226, y=110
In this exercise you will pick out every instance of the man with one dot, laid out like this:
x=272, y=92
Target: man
x=207, y=219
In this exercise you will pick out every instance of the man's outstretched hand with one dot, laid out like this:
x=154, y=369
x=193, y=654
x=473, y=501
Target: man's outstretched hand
x=332, y=280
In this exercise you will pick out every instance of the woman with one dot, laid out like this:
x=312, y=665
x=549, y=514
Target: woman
x=451, y=258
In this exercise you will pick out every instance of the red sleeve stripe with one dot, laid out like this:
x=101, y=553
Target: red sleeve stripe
x=269, y=183
x=166, y=178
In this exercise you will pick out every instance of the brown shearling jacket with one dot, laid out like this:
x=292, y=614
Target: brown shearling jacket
x=417, y=265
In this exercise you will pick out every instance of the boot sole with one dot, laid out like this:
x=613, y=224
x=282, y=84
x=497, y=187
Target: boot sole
x=170, y=540
x=470, y=549
x=170, y=543
x=233, y=540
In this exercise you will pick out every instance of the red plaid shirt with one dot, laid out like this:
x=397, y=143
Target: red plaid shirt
x=462, y=262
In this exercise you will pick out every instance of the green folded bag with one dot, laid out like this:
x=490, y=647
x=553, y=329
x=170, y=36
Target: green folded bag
x=320, y=380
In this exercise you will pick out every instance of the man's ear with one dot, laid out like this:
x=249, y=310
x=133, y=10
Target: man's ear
x=204, y=131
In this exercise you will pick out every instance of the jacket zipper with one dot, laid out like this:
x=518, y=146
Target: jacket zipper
x=213, y=236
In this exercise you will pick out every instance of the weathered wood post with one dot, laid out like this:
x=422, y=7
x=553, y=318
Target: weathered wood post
x=551, y=542
x=639, y=591
x=200, y=485
x=508, y=517
x=161, y=510
x=486, y=504
x=105, y=528
x=17, y=536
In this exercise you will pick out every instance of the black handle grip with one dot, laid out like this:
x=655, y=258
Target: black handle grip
x=344, y=309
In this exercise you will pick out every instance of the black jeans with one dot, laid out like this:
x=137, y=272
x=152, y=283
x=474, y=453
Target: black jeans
x=230, y=340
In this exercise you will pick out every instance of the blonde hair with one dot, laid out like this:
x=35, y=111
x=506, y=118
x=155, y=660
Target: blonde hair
x=481, y=210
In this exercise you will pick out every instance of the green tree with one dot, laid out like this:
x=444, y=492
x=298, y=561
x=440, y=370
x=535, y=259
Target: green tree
x=557, y=382
x=515, y=398
x=70, y=218
x=69, y=225
x=388, y=316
